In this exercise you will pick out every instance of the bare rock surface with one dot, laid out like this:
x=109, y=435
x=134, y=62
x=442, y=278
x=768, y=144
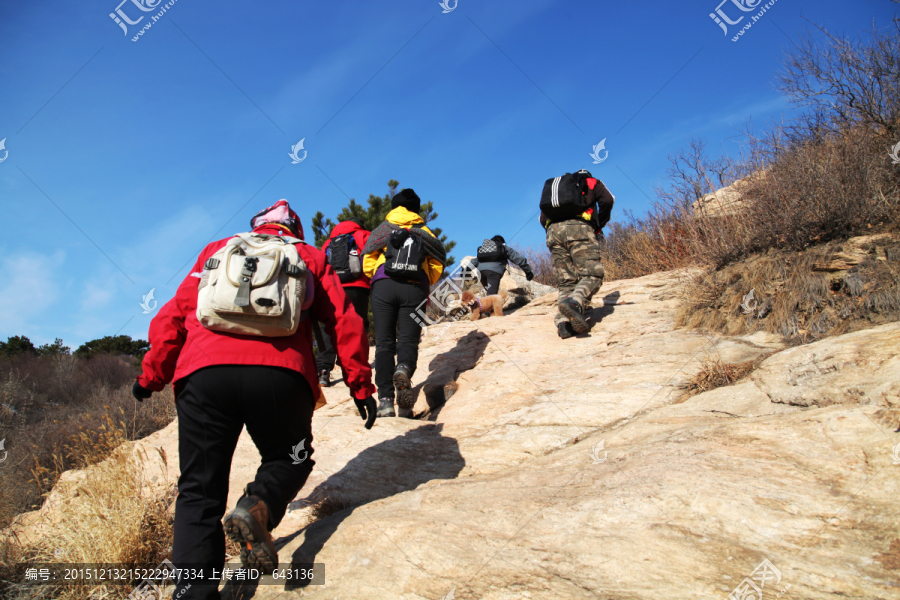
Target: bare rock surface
x=858, y=368
x=516, y=284
x=727, y=201
x=574, y=469
x=579, y=468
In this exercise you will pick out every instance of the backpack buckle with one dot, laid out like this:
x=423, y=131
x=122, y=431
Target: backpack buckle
x=211, y=264
x=242, y=298
x=249, y=265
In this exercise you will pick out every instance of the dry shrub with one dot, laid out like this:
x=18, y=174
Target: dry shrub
x=796, y=296
x=62, y=380
x=232, y=549
x=541, y=264
x=44, y=443
x=108, y=513
x=329, y=505
x=638, y=247
x=810, y=193
x=87, y=447
x=628, y=250
x=12, y=556
x=715, y=374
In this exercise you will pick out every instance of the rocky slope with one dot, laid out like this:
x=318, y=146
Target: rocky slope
x=728, y=200
x=543, y=468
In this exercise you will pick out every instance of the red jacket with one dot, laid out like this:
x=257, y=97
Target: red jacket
x=361, y=236
x=180, y=345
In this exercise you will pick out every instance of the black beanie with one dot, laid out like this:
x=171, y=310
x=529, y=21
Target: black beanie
x=499, y=239
x=407, y=199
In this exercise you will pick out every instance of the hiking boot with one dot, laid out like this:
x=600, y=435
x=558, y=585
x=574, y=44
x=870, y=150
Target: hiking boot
x=403, y=386
x=385, y=408
x=248, y=526
x=324, y=378
x=565, y=330
x=570, y=309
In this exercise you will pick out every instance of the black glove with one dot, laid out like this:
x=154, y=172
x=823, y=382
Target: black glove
x=367, y=406
x=529, y=276
x=140, y=392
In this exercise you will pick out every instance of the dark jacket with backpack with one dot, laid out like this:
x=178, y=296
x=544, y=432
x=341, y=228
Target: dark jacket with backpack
x=578, y=196
x=376, y=248
x=497, y=264
x=360, y=237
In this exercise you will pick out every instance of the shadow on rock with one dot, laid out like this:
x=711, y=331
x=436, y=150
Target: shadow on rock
x=384, y=470
x=445, y=369
x=609, y=305
x=518, y=302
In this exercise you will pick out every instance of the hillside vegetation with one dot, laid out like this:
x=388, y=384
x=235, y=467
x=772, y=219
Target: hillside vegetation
x=60, y=411
x=803, y=188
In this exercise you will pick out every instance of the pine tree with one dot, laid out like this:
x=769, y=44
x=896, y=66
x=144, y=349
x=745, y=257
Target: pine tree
x=16, y=345
x=57, y=348
x=116, y=345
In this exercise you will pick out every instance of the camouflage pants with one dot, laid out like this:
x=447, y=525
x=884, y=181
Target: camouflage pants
x=576, y=260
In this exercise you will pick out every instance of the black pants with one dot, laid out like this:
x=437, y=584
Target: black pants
x=359, y=297
x=397, y=333
x=491, y=281
x=213, y=405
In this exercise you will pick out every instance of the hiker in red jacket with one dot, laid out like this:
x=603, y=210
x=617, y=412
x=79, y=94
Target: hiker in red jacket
x=346, y=260
x=224, y=381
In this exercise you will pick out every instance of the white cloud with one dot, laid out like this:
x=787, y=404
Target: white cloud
x=30, y=286
x=157, y=251
x=95, y=296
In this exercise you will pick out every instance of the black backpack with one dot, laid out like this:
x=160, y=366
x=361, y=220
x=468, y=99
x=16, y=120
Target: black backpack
x=343, y=256
x=566, y=197
x=491, y=251
x=404, y=255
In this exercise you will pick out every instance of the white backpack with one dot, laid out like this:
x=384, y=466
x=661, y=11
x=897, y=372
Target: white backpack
x=254, y=285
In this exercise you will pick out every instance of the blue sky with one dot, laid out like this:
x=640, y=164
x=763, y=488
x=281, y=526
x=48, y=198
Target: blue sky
x=126, y=158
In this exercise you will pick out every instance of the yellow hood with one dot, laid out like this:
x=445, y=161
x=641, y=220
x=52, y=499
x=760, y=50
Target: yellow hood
x=402, y=217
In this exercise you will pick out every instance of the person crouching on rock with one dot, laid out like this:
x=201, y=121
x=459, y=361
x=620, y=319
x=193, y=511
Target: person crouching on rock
x=236, y=341
x=403, y=258
x=574, y=210
x=491, y=261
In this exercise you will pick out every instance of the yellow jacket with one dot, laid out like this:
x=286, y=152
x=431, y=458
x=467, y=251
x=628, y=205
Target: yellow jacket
x=402, y=217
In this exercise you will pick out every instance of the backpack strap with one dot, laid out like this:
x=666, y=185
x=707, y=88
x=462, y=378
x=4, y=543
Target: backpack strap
x=317, y=332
